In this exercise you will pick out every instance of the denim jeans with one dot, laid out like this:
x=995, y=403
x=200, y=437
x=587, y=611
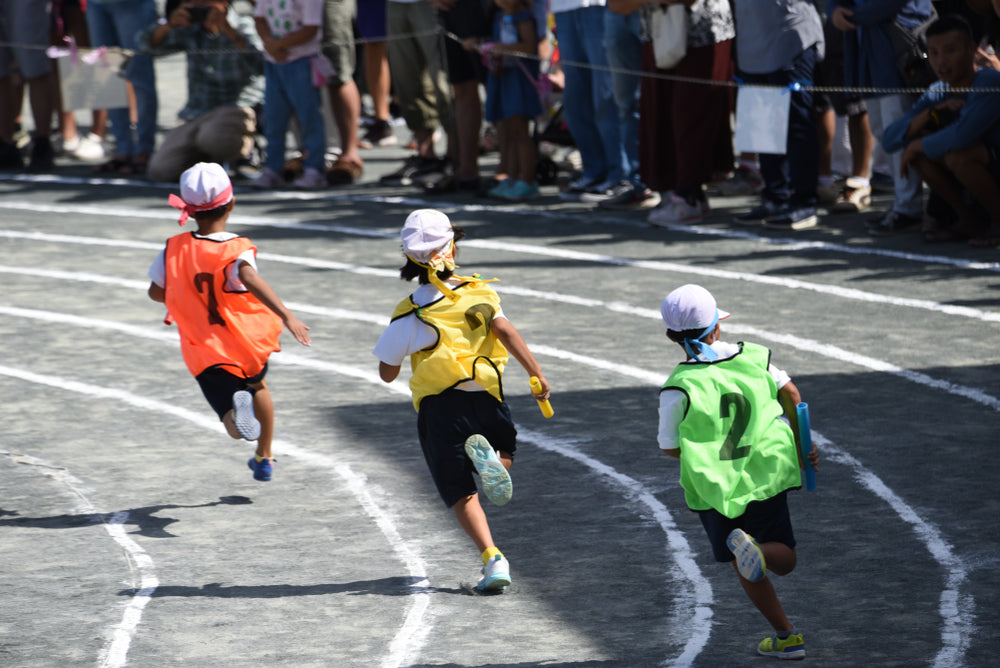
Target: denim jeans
x=588, y=98
x=118, y=24
x=289, y=89
x=791, y=178
x=621, y=40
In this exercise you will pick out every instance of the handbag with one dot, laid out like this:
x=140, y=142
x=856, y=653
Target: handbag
x=669, y=32
x=909, y=48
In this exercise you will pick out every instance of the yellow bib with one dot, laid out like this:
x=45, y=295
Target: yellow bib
x=466, y=349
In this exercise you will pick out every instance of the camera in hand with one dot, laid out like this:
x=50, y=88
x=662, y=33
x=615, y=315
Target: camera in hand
x=198, y=14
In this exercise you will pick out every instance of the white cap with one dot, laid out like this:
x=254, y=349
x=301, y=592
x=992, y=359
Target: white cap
x=690, y=307
x=426, y=232
x=205, y=183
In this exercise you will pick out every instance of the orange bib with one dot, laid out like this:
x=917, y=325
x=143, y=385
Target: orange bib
x=217, y=327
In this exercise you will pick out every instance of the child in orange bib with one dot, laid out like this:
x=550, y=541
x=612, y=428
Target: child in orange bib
x=228, y=317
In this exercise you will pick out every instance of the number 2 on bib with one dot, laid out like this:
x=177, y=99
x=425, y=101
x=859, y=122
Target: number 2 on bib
x=736, y=406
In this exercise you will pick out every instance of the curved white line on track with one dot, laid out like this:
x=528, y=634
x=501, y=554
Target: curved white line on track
x=807, y=345
x=406, y=647
x=410, y=638
x=114, y=653
x=956, y=608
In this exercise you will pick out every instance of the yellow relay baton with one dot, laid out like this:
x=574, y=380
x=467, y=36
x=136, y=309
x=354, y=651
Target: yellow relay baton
x=544, y=406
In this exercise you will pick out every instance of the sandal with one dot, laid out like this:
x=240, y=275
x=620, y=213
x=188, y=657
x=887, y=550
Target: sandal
x=343, y=172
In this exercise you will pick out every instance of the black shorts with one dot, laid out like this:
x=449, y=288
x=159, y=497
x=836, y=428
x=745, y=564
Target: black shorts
x=219, y=386
x=768, y=521
x=469, y=18
x=444, y=422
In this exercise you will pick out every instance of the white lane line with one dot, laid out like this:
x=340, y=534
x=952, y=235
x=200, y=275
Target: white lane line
x=405, y=648
x=956, y=608
x=415, y=628
x=114, y=653
x=593, y=217
x=807, y=345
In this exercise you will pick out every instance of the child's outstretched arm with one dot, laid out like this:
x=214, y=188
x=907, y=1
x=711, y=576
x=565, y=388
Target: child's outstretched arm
x=260, y=289
x=511, y=338
x=790, y=398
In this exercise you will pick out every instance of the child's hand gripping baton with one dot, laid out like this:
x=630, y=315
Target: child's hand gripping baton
x=544, y=406
x=805, y=443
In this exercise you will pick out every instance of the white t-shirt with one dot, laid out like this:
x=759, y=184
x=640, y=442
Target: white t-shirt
x=287, y=16
x=158, y=270
x=673, y=403
x=409, y=334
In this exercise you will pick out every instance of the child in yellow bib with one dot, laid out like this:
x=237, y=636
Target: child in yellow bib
x=720, y=415
x=457, y=337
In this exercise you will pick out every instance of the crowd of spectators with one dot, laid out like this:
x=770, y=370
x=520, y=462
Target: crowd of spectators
x=646, y=138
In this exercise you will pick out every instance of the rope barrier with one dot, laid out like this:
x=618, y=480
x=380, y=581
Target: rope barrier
x=734, y=83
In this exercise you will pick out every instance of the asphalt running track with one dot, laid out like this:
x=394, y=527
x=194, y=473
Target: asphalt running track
x=133, y=534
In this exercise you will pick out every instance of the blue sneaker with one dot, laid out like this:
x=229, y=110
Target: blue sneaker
x=757, y=215
x=496, y=481
x=246, y=423
x=749, y=558
x=801, y=218
x=521, y=191
x=261, y=470
x=496, y=575
x=500, y=190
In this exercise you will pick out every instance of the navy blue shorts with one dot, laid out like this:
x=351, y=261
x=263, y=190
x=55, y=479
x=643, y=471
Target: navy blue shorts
x=219, y=386
x=371, y=19
x=444, y=422
x=767, y=521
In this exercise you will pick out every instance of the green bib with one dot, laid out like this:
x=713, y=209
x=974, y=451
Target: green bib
x=734, y=448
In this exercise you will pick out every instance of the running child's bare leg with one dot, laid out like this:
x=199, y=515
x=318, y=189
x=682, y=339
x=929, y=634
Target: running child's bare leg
x=780, y=558
x=263, y=408
x=764, y=598
x=472, y=518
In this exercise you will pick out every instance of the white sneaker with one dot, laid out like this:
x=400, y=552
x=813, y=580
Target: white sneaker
x=496, y=575
x=268, y=179
x=247, y=425
x=493, y=474
x=749, y=558
x=89, y=148
x=676, y=210
x=311, y=179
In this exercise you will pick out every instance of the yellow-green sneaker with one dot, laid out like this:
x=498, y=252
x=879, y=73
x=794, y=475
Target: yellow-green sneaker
x=792, y=647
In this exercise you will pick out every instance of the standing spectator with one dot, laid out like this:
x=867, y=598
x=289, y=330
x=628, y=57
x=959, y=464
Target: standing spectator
x=588, y=98
x=465, y=19
x=292, y=34
x=869, y=62
x=952, y=140
x=224, y=82
x=70, y=22
x=623, y=43
x=685, y=127
x=24, y=35
x=371, y=28
x=778, y=43
x=419, y=77
x=345, y=100
x=119, y=23
x=511, y=98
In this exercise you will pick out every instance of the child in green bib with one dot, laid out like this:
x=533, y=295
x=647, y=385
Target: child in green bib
x=720, y=415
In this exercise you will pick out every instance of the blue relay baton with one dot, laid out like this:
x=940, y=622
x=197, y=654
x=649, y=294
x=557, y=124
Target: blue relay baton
x=805, y=441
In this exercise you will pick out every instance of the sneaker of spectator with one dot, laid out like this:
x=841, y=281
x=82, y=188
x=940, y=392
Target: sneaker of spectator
x=311, y=179
x=893, y=222
x=268, y=180
x=793, y=219
x=42, y=155
x=743, y=181
x=676, y=210
x=827, y=192
x=89, y=148
x=855, y=196
x=378, y=133
x=413, y=169
x=628, y=196
x=10, y=157
x=599, y=192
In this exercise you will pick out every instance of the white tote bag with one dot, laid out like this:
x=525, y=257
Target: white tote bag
x=669, y=33
x=762, y=119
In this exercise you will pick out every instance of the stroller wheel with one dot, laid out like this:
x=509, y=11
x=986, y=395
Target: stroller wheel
x=546, y=171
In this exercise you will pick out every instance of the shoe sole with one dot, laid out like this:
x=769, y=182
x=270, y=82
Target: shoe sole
x=749, y=558
x=247, y=425
x=806, y=223
x=497, y=485
x=258, y=474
